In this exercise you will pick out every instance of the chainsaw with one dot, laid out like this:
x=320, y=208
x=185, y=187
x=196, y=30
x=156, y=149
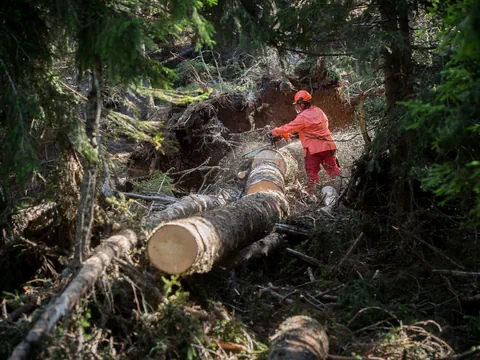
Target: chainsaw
x=280, y=141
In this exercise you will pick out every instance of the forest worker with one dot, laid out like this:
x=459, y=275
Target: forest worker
x=319, y=148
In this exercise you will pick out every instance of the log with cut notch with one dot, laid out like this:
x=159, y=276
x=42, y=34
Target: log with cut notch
x=299, y=338
x=195, y=244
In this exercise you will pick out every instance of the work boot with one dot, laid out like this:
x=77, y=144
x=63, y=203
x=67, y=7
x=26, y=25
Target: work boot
x=311, y=199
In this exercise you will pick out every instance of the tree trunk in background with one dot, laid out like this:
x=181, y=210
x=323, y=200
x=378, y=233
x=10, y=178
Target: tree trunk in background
x=398, y=57
x=398, y=87
x=69, y=180
x=85, y=214
x=299, y=338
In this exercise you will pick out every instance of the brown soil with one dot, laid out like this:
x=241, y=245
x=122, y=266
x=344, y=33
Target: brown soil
x=281, y=111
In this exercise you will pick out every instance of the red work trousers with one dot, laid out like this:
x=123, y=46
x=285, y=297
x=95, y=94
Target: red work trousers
x=312, y=166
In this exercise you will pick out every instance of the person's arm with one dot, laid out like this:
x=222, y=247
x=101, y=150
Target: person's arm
x=296, y=125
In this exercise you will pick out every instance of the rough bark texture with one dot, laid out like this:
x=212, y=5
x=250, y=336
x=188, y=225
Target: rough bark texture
x=254, y=251
x=35, y=219
x=70, y=175
x=84, y=218
x=195, y=244
x=299, y=338
x=91, y=270
x=188, y=206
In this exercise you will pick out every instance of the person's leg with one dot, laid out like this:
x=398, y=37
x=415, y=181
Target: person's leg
x=330, y=164
x=312, y=167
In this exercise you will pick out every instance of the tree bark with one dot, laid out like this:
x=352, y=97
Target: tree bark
x=398, y=56
x=254, y=251
x=363, y=121
x=91, y=270
x=188, y=206
x=299, y=338
x=84, y=218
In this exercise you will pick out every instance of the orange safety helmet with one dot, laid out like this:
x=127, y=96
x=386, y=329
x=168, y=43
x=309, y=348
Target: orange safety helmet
x=301, y=96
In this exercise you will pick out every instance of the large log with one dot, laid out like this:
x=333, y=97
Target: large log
x=194, y=244
x=299, y=338
x=91, y=270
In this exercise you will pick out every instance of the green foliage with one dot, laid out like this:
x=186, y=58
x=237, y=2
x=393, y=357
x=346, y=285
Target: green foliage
x=28, y=95
x=448, y=117
x=121, y=124
x=170, y=332
x=159, y=182
x=110, y=38
x=117, y=34
x=178, y=97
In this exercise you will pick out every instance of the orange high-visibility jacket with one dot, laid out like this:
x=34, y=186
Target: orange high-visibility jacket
x=312, y=127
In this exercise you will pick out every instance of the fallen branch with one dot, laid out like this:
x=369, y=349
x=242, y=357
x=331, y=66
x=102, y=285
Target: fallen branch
x=352, y=248
x=304, y=257
x=439, y=252
x=164, y=199
x=471, y=299
x=466, y=355
x=91, y=270
x=274, y=294
x=291, y=230
x=456, y=273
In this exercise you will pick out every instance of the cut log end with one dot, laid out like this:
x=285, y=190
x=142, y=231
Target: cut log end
x=263, y=186
x=173, y=248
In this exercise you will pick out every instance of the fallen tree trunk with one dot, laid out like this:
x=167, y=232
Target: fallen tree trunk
x=299, y=338
x=188, y=206
x=254, y=251
x=195, y=244
x=91, y=270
